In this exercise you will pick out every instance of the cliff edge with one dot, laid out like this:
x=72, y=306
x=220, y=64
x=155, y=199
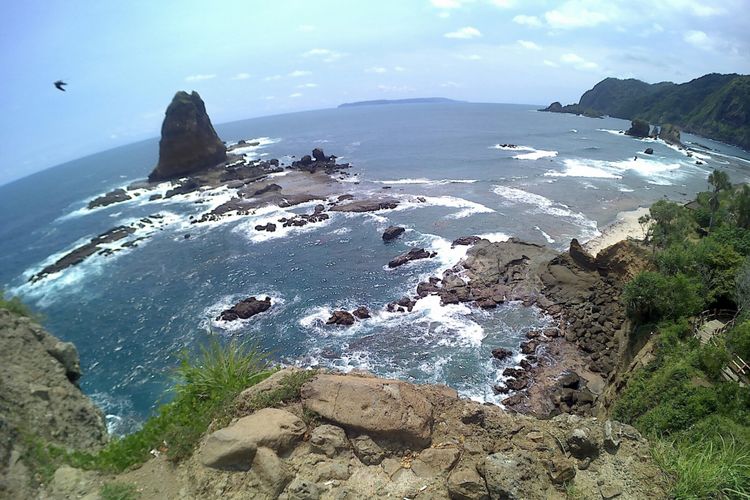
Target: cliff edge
x=39, y=401
x=188, y=140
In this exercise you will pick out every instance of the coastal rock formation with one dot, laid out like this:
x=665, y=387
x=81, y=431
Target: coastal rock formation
x=114, y=196
x=379, y=438
x=639, y=128
x=413, y=254
x=465, y=241
x=245, y=309
x=188, y=140
x=39, y=397
x=392, y=233
x=366, y=205
x=361, y=312
x=343, y=318
x=670, y=134
x=319, y=162
x=649, y=151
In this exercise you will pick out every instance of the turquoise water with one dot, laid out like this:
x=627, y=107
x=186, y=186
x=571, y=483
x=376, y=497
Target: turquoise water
x=130, y=314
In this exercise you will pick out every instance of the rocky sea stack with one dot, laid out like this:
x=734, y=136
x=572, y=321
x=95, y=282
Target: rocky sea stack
x=188, y=140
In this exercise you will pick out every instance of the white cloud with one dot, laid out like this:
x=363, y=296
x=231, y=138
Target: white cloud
x=395, y=88
x=551, y=64
x=306, y=28
x=444, y=15
x=296, y=94
x=576, y=14
x=470, y=57
x=450, y=85
x=446, y=4
x=272, y=78
x=376, y=69
x=299, y=72
x=327, y=55
x=526, y=44
x=502, y=3
x=464, y=33
x=241, y=76
x=269, y=98
x=578, y=62
x=399, y=68
x=525, y=20
x=698, y=39
x=307, y=86
x=697, y=8
x=199, y=77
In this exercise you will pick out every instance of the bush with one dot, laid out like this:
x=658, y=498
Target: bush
x=118, y=491
x=738, y=340
x=652, y=296
x=15, y=306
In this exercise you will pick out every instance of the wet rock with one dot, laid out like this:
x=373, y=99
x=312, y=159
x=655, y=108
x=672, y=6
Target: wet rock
x=344, y=318
x=649, y=151
x=271, y=188
x=114, y=196
x=638, y=128
x=361, y=312
x=318, y=154
x=413, y=254
x=501, y=353
x=465, y=240
x=426, y=288
x=245, y=309
x=371, y=205
x=270, y=227
x=392, y=233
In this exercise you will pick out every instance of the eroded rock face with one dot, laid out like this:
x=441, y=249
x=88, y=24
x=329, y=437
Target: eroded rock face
x=377, y=407
x=638, y=128
x=188, y=140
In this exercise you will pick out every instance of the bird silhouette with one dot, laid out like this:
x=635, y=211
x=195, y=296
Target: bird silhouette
x=59, y=84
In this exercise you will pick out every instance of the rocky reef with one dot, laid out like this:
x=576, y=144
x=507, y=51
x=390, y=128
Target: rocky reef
x=39, y=401
x=188, y=140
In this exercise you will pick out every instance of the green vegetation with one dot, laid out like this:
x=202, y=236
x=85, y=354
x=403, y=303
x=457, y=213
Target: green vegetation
x=700, y=422
x=288, y=390
x=204, y=391
x=119, y=491
x=15, y=306
x=715, y=106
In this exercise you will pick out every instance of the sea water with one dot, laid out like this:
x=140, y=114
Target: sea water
x=132, y=313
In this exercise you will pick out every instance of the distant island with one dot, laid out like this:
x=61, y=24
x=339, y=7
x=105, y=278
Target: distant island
x=414, y=100
x=715, y=106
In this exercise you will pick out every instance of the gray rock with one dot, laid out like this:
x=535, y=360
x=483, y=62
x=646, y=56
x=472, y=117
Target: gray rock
x=67, y=354
x=234, y=447
x=271, y=471
x=581, y=444
x=504, y=476
x=561, y=470
x=465, y=483
x=367, y=450
x=611, y=442
x=302, y=489
x=328, y=440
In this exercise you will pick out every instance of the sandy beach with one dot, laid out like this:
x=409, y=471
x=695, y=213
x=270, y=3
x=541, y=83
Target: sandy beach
x=625, y=226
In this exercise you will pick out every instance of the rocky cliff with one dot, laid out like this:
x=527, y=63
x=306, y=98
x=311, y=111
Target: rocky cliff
x=39, y=401
x=188, y=140
x=714, y=106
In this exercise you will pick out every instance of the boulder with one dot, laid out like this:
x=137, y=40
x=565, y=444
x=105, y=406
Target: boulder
x=367, y=450
x=501, y=353
x=235, y=447
x=465, y=240
x=465, y=483
x=245, y=309
x=328, y=440
x=649, y=151
x=582, y=445
x=318, y=154
x=114, y=196
x=271, y=471
x=361, y=312
x=670, y=134
x=67, y=354
x=378, y=407
x=555, y=107
x=561, y=470
x=504, y=475
x=302, y=489
x=188, y=142
x=392, y=233
x=639, y=128
x=413, y=254
x=344, y=318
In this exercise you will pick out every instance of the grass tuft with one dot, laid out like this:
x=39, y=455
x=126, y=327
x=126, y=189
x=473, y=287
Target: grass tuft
x=119, y=491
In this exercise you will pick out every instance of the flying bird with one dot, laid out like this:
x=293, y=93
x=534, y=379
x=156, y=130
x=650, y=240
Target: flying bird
x=59, y=84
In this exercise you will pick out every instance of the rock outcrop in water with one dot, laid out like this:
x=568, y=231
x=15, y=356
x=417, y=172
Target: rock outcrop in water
x=245, y=309
x=39, y=397
x=639, y=128
x=188, y=140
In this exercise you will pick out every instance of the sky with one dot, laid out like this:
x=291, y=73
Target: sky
x=123, y=61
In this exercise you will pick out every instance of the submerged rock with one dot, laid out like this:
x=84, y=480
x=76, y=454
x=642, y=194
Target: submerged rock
x=392, y=233
x=188, y=140
x=413, y=254
x=114, y=196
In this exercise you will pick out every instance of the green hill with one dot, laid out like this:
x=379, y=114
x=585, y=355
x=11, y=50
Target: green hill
x=715, y=106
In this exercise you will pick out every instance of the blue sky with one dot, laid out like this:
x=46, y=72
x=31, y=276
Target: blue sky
x=124, y=60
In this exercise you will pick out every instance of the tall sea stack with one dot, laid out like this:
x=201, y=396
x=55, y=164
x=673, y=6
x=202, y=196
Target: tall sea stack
x=188, y=140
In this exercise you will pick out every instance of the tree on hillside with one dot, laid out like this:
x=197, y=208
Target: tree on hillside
x=670, y=222
x=720, y=182
x=742, y=207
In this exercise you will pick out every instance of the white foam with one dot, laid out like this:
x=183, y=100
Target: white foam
x=430, y=182
x=546, y=236
x=610, y=131
x=536, y=155
x=583, y=168
x=495, y=237
x=512, y=147
x=251, y=152
x=468, y=208
x=272, y=213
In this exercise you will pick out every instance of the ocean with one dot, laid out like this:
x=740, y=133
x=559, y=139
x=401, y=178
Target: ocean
x=131, y=314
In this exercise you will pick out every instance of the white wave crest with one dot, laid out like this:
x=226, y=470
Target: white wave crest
x=429, y=182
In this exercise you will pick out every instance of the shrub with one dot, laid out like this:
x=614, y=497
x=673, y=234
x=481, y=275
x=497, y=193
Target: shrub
x=738, y=340
x=118, y=491
x=15, y=306
x=652, y=296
